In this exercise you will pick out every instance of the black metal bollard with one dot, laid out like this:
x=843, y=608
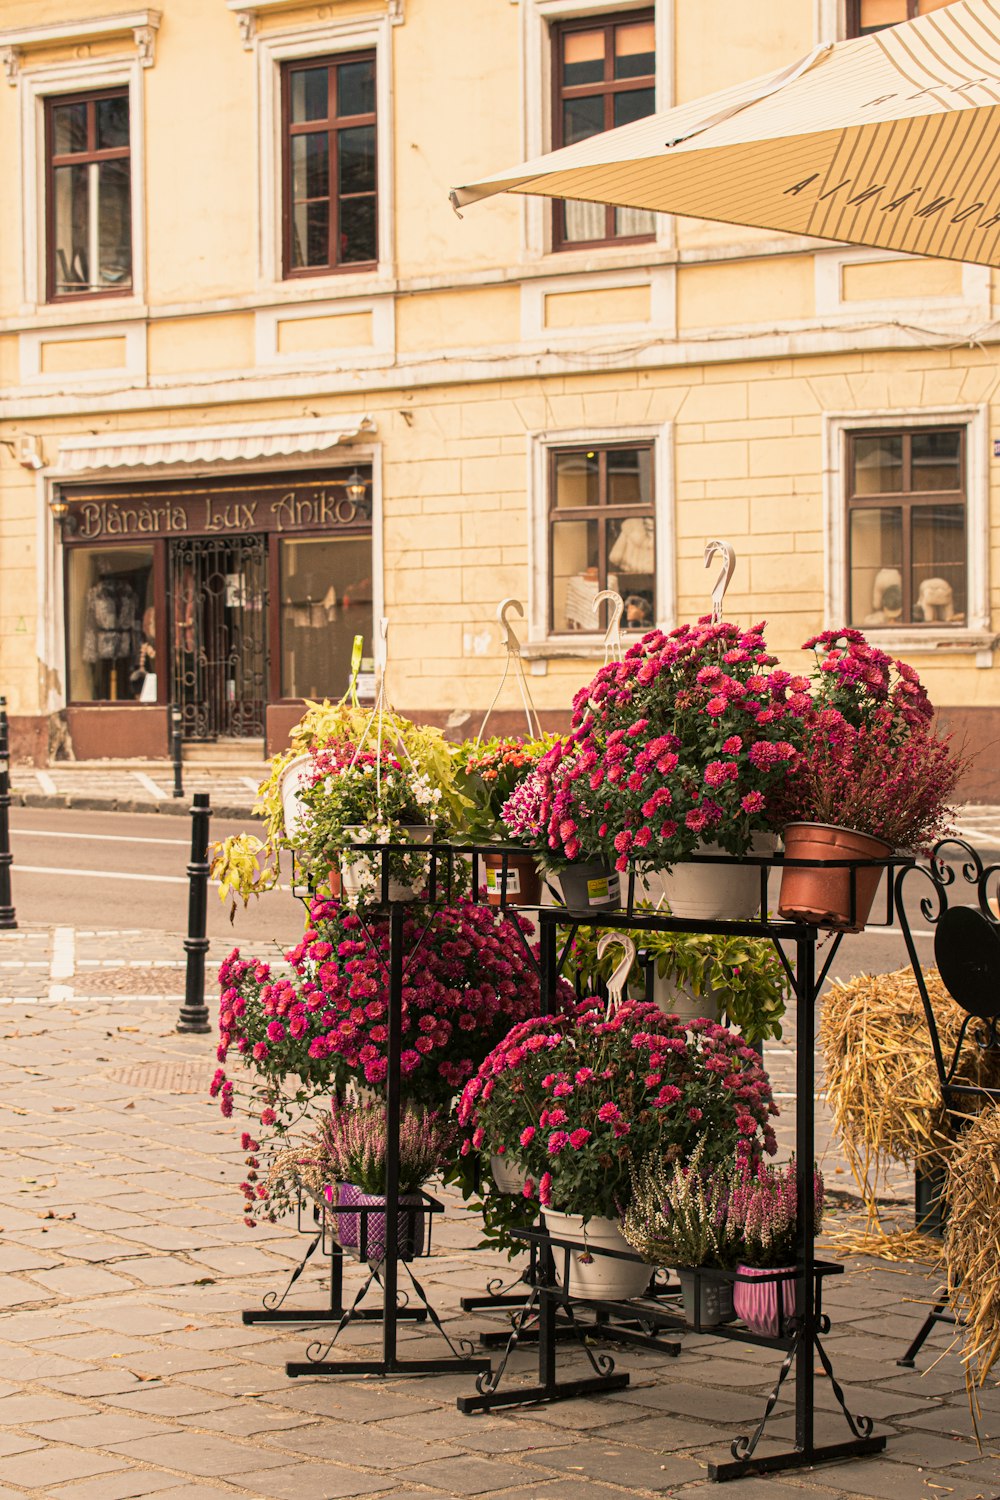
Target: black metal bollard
x=8, y=919
x=194, y=1012
x=176, y=752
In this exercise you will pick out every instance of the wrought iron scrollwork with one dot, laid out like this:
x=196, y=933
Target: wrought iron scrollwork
x=742, y=1448
x=218, y=635
x=861, y=1427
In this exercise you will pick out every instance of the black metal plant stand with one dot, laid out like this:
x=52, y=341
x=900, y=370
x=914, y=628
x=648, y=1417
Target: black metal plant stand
x=273, y=1310
x=800, y=1337
x=551, y=1313
x=385, y=1273
x=967, y=953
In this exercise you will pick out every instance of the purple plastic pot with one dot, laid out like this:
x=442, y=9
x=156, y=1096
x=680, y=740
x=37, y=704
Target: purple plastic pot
x=367, y=1233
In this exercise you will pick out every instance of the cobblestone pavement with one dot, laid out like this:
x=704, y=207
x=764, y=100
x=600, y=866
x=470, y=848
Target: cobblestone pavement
x=124, y=1264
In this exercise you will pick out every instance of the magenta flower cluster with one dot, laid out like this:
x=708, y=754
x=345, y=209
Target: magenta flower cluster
x=865, y=685
x=682, y=742
x=575, y=1098
x=468, y=978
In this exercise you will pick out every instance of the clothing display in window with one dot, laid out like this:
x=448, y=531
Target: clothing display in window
x=111, y=628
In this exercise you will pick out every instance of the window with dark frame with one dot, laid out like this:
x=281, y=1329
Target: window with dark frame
x=330, y=214
x=602, y=535
x=88, y=195
x=867, y=16
x=907, y=556
x=604, y=75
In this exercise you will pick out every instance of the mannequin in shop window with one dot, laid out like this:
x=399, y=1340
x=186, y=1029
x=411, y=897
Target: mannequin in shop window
x=111, y=634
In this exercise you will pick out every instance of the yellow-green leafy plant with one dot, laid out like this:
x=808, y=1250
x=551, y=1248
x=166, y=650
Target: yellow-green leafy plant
x=245, y=865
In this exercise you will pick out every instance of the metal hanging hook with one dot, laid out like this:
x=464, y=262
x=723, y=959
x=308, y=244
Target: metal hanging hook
x=619, y=975
x=508, y=636
x=728, y=555
x=512, y=645
x=613, y=634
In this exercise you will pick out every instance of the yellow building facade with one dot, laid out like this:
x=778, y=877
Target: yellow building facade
x=259, y=386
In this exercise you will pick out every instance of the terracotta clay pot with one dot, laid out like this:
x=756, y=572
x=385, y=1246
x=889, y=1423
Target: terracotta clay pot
x=822, y=894
x=523, y=887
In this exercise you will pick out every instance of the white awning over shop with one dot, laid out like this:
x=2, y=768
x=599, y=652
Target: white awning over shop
x=235, y=442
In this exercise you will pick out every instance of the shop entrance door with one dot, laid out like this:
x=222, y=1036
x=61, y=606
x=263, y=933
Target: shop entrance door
x=218, y=635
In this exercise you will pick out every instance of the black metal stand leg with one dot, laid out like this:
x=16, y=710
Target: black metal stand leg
x=936, y=1315
x=386, y=1273
x=808, y=1322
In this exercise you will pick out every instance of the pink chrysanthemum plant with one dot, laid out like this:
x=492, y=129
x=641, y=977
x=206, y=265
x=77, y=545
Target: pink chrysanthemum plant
x=576, y=1098
x=301, y=1035
x=684, y=742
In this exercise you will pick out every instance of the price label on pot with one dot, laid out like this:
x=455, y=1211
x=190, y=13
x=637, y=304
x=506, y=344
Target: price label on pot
x=495, y=882
x=602, y=890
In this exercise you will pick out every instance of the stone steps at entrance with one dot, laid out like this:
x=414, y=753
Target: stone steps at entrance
x=229, y=753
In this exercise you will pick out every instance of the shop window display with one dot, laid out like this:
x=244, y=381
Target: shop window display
x=111, y=624
x=326, y=600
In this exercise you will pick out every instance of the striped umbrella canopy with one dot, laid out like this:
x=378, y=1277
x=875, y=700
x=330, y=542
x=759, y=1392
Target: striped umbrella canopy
x=889, y=140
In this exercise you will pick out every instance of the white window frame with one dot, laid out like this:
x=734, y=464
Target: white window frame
x=36, y=89
x=976, y=634
x=542, y=641
x=829, y=20
x=538, y=17
x=293, y=44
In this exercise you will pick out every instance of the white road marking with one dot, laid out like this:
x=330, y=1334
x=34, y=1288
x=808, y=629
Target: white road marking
x=110, y=838
x=63, y=963
x=46, y=783
x=63, y=953
x=101, y=874
x=149, y=784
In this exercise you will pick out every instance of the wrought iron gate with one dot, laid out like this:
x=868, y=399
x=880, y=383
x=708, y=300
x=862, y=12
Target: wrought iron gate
x=218, y=635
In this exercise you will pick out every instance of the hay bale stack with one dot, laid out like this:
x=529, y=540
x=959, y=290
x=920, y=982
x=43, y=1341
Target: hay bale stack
x=972, y=1244
x=881, y=1081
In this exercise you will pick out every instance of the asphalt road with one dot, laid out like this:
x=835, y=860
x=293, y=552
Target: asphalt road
x=92, y=870
x=96, y=871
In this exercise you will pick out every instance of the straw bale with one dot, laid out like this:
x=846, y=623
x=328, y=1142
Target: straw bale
x=972, y=1243
x=881, y=1081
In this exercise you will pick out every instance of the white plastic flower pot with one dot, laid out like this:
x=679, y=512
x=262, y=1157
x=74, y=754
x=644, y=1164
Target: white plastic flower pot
x=362, y=875
x=293, y=778
x=508, y=1174
x=729, y=891
x=678, y=1000
x=595, y=1278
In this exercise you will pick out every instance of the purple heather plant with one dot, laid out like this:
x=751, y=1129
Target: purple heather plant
x=762, y=1213
x=353, y=1143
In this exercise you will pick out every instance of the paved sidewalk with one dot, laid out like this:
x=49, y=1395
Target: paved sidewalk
x=125, y=1370
x=145, y=787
